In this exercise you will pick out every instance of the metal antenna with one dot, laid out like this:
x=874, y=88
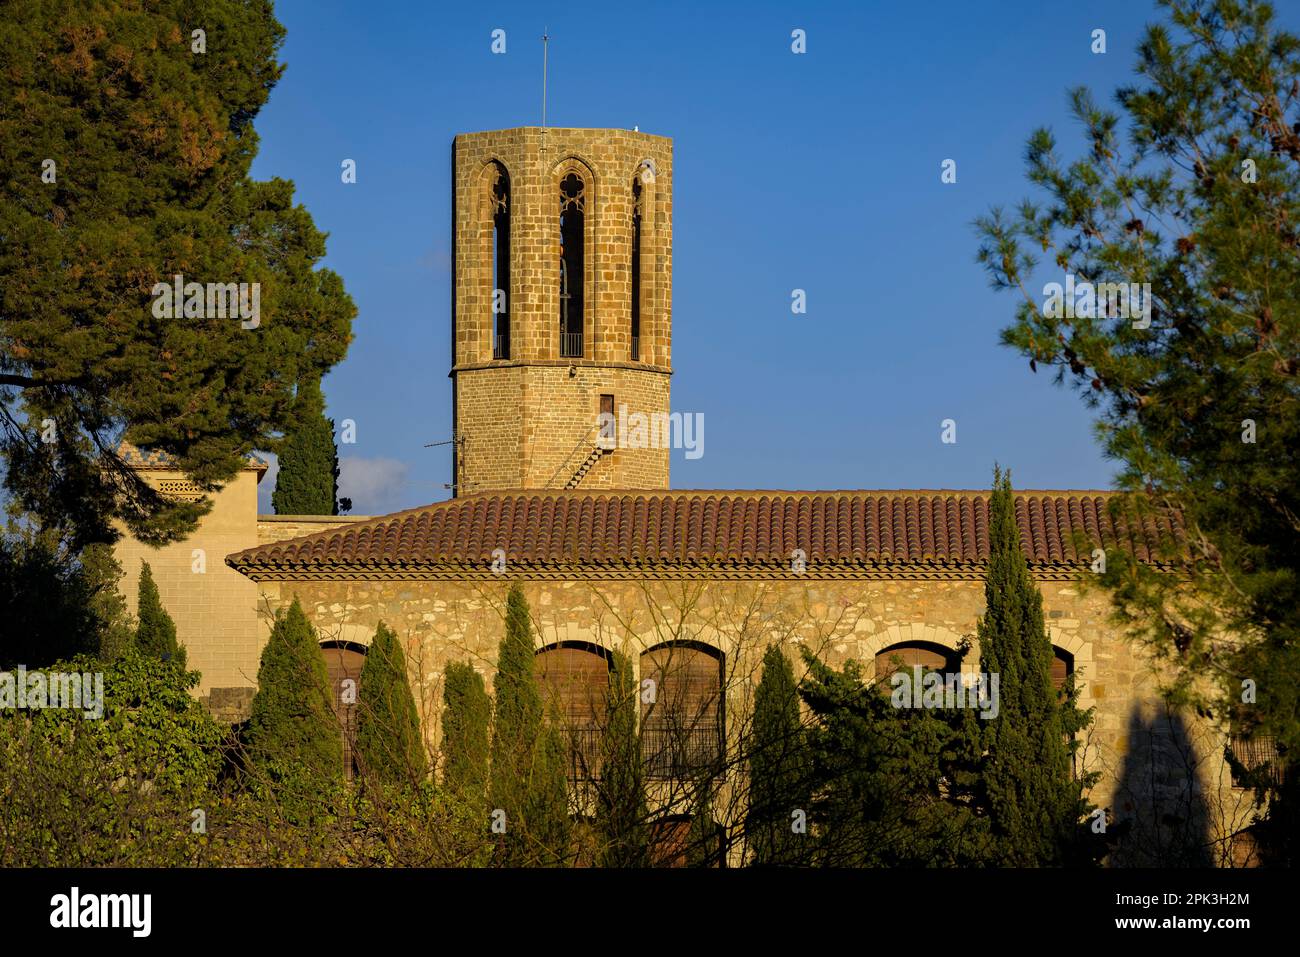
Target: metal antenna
x=545, y=41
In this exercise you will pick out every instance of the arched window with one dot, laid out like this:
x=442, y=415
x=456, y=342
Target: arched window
x=574, y=678
x=638, y=196
x=681, y=711
x=343, y=662
x=572, y=264
x=930, y=657
x=499, y=203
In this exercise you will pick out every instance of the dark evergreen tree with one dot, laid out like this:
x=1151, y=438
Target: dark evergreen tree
x=528, y=782
x=778, y=777
x=390, y=745
x=47, y=603
x=294, y=746
x=307, y=482
x=1034, y=805
x=100, y=217
x=466, y=720
x=881, y=776
x=156, y=633
x=101, y=573
x=621, y=825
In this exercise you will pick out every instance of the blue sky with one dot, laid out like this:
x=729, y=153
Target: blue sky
x=818, y=171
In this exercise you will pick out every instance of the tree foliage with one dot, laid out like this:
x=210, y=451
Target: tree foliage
x=881, y=777
x=155, y=635
x=466, y=730
x=1033, y=804
x=307, y=480
x=621, y=814
x=117, y=790
x=113, y=625
x=777, y=759
x=149, y=146
x=390, y=745
x=1192, y=187
x=293, y=745
x=46, y=603
x=528, y=783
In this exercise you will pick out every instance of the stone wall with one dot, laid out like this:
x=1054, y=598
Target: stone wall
x=1153, y=766
x=533, y=427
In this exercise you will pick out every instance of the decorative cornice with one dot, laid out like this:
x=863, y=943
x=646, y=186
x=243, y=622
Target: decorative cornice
x=560, y=364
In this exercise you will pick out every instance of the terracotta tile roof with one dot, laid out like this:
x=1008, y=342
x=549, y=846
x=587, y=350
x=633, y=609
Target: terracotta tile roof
x=156, y=459
x=754, y=530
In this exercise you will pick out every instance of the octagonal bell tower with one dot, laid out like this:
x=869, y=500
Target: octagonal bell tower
x=561, y=307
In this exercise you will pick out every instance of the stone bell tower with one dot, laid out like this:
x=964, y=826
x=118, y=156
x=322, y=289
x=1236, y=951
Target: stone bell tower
x=561, y=306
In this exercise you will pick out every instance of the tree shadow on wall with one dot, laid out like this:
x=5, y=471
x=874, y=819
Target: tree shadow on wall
x=1159, y=801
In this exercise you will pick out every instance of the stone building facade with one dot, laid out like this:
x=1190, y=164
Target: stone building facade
x=883, y=574
x=692, y=586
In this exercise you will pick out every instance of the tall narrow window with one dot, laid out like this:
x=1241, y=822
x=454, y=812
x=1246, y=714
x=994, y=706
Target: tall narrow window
x=637, y=197
x=572, y=265
x=343, y=663
x=607, y=424
x=500, y=198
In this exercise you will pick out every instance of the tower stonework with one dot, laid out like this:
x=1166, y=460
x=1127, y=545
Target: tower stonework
x=561, y=307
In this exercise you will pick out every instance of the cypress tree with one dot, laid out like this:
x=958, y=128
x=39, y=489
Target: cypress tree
x=777, y=765
x=390, y=745
x=549, y=825
x=100, y=574
x=293, y=737
x=155, y=636
x=466, y=716
x=307, y=483
x=528, y=777
x=1033, y=805
x=621, y=817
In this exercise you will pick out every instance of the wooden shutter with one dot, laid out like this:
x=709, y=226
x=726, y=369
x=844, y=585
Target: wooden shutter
x=1062, y=665
x=575, y=682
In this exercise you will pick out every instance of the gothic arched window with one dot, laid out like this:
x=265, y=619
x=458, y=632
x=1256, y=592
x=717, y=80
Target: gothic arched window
x=638, y=196
x=572, y=264
x=499, y=199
